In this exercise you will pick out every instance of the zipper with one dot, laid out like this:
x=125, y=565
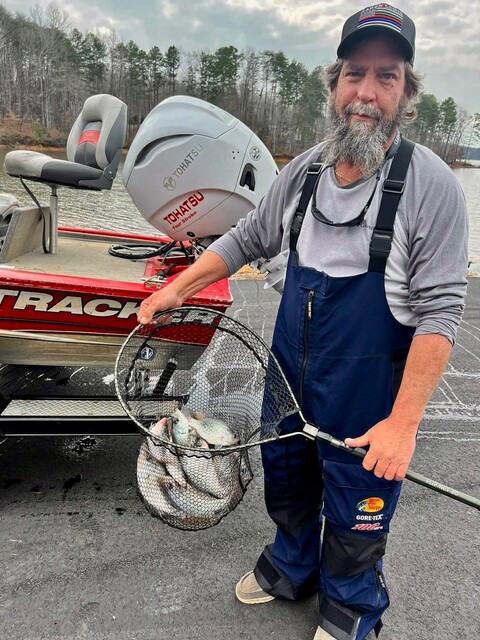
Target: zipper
x=306, y=331
x=380, y=582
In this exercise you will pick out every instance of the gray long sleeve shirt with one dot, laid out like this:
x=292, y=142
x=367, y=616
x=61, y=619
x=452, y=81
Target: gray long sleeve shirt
x=425, y=281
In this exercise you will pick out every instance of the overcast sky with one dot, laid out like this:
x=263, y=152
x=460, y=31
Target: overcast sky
x=448, y=32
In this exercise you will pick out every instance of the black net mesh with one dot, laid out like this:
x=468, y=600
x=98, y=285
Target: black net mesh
x=203, y=388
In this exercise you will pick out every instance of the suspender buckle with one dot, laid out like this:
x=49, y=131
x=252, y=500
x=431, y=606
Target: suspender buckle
x=381, y=242
x=297, y=223
x=394, y=186
x=314, y=169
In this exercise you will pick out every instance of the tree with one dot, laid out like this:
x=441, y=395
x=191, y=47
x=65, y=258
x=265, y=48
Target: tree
x=274, y=64
x=94, y=63
x=427, y=123
x=448, y=120
x=171, y=64
x=156, y=78
x=226, y=68
x=474, y=135
x=47, y=70
x=311, y=109
x=248, y=87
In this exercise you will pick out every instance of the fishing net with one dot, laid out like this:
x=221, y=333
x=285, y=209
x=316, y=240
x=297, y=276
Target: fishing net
x=203, y=388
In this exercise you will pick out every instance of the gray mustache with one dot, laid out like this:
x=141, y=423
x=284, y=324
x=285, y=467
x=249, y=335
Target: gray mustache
x=363, y=110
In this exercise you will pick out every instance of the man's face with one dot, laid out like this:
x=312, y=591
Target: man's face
x=371, y=84
x=367, y=106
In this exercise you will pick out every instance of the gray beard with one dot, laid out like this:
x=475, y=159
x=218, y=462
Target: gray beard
x=359, y=144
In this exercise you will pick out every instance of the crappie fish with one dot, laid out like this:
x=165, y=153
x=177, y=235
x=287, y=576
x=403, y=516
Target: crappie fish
x=189, y=507
x=193, y=503
x=202, y=473
x=152, y=482
x=158, y=429
x=163, y=455
x=214, y=431
x=183, y=433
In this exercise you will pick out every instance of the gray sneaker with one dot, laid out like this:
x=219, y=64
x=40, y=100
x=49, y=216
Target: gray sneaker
x=249, y=591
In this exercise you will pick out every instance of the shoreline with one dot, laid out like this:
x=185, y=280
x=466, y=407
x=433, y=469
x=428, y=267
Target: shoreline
x=280, y=158
x=283, y=158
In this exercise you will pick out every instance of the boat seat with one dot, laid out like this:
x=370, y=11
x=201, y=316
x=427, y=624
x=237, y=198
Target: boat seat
x=94, y=149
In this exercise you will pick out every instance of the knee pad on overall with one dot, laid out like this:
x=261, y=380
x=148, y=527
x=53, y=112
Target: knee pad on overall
x=353, y=594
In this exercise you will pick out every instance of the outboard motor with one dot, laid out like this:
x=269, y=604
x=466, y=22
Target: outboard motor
x=193, y=170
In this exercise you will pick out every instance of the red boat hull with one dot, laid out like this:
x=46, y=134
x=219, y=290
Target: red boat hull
x=54, y=308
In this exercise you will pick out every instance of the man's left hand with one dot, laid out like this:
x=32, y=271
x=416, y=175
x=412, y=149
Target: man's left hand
x=391, y=448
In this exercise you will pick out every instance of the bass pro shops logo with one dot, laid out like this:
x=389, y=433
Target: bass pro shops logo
x=370, y=522
x=370, y=505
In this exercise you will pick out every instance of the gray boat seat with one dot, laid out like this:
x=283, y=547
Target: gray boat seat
x=94, y=148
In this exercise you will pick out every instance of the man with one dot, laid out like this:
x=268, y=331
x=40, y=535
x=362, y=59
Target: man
x=374, y=291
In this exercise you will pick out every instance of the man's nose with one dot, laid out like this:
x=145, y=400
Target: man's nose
x=366, y=90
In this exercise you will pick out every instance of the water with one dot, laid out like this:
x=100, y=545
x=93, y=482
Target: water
x=115, y=211
x=470, y=181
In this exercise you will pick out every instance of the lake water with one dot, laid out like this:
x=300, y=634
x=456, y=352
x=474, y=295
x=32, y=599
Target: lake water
x=114, y=210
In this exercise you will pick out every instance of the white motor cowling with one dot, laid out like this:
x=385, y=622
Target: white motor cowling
x=193, y=170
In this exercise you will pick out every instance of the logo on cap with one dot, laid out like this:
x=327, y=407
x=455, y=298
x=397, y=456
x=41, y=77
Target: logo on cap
x=381, y=15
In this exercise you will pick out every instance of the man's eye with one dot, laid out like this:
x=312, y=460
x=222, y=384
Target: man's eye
x=353, y=74
x=388, y=76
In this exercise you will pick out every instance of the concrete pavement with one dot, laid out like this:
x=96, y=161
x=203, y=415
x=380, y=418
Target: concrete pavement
x=82, y=559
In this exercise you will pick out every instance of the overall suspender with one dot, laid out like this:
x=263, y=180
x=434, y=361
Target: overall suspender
x=392, y=188
x=313, y=173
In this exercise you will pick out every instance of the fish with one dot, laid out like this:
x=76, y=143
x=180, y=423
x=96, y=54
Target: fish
x=193, y=503
x=183, y=432
x=163, y=455
x=153, y=482
x=156, y=498
x=202, y=472
x=228, y=468
x=158, y=429
x=189, y=507
x=214, y=431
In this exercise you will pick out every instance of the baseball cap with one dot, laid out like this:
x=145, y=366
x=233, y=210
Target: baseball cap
x=379, y=19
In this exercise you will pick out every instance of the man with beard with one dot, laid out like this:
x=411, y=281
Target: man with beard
x=374, y=229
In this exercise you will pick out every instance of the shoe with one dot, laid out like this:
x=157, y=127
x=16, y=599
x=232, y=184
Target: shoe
x=249, y=591
x=322, y=635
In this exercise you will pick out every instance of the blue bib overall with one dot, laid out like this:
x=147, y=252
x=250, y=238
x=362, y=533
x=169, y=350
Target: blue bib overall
x=343, y=354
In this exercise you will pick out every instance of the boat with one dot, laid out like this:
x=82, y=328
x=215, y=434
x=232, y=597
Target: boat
x=67, y=298
x=75, y=307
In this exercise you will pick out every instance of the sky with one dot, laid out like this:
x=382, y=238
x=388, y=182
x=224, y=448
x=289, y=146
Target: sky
x=447, y=45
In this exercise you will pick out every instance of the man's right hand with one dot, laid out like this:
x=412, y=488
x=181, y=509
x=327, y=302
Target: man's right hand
x=161, y=300
x=209, y=268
